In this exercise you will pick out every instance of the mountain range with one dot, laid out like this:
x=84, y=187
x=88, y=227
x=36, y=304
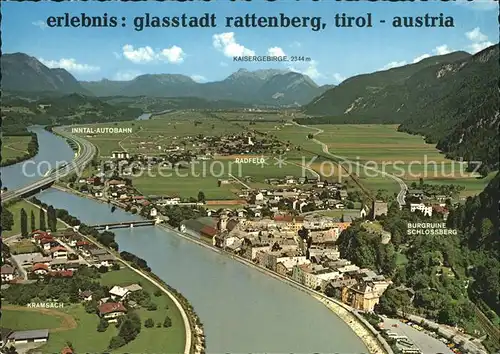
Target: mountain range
x=23, y=73
x=453, y=100
x=267, y=87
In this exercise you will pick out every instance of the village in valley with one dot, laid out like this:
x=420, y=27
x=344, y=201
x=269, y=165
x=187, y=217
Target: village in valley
x=285, y=221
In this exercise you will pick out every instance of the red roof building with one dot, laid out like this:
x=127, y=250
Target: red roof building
x=40, y=266
x=208, y=231
x=58, y=249
x=111, y=307
x=39, y=233
x=40, y=237
x=288, y=218
x=62, y=273
x=67, y=350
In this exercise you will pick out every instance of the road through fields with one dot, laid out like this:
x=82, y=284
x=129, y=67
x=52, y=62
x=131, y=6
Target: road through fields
x=402, y=185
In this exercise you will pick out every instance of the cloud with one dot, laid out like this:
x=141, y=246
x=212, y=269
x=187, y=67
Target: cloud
x=198, y=78
x=393, y=64
x=223, y=64
x=477, y=47
x=479, y=40
x=226, y=43
x=276, y=52
x=338, y=78
x=173, y=55
x=296, y=44
x=40, y=24
x=442, y=50
x=126, y=75
x=70, y=64
x=476, y=36
x=310, y=69
x=439, y=50
x=117, y=55
x=421, y=57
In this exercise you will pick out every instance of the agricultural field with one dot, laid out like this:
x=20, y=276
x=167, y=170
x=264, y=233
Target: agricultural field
x=15, y=209
x=73, y=324
x=382, y=146
x=205, y=175
x=150, y=136
x=23, y=246
x=20, y=318
x=14, y=146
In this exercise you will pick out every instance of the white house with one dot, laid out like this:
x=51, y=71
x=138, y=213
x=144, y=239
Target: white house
x=59, y=252
x=7, y=273
x=34, y=336
x=110, y=311
x=169, y=201
x=153, y=212
x=425, y=209
x=118, y=293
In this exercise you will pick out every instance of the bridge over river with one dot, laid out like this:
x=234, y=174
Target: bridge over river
x=124, y=224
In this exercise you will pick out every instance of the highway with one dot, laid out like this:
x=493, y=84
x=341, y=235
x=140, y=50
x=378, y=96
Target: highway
x=84, y=155
x=402, y=185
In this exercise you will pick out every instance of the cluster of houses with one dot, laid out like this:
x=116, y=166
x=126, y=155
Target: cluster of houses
x=300, y=248
x=58, y=254
x=111, y=307
x=185, y=149
x=418, y=200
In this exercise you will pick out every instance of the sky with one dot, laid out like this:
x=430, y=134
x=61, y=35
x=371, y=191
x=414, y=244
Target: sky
x=206, y=54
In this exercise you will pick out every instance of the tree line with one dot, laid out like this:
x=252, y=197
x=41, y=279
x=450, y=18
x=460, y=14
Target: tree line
x=32, y=149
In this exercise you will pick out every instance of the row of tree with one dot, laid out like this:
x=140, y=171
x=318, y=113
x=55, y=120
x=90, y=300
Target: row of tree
x=50, y=224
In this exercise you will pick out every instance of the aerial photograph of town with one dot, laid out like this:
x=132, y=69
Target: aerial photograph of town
x=250, y=176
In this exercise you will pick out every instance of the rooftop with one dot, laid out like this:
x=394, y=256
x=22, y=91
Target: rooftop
x=34, y=334
x=110, y=307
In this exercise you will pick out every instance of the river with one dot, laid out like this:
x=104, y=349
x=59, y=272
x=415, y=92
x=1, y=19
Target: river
x=52, y=151
x=242, y=309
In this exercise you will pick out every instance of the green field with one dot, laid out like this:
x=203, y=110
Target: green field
x=148, y=135
x=15, y=209
x=163, y=130
x=382, y=146
x=23, y=246
x=204, y=176
x=85, y=337
x=28, y=320
x=14, y=146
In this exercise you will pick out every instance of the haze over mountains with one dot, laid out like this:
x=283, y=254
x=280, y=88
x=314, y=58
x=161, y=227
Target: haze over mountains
x=266, y=87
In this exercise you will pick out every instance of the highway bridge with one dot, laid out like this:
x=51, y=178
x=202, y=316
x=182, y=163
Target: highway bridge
x=124, y=224
x=85, y=153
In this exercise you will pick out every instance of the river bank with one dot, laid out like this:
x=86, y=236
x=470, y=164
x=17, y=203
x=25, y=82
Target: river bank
x=369, y=336
x=192, y=326
x=31, y=148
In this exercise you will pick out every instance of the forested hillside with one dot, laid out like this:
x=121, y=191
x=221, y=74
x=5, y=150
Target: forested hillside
x=17, y=113
x=454, y=104
x=478, y=219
